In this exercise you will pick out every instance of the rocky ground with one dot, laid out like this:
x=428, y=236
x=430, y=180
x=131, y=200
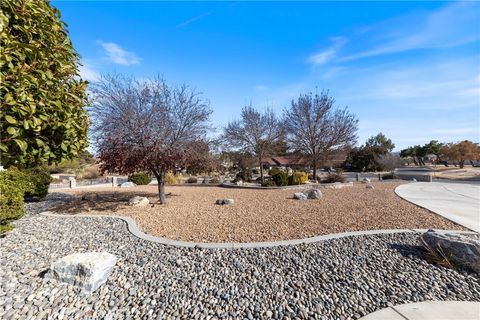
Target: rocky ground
x=258, y=215
x=336, y=279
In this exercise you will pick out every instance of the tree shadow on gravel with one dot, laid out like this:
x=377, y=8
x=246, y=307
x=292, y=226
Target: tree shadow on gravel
x=409, y=251
x=101, y=201
x=419, y=252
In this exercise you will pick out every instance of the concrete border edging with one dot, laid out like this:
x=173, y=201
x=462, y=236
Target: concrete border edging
x=134, y=230
x=446, y=310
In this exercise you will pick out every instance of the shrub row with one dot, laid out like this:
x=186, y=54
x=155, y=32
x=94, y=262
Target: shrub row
x=16, y=186
x=140, y=179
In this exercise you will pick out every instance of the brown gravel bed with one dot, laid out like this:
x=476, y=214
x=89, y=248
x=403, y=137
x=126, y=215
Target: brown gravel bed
x=258, y=215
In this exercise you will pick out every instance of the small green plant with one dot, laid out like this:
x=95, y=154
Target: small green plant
x=192, y=180
x=13, y=185
x=140, y=178
x=40, y=180
x=244, y=175
x=280, y=178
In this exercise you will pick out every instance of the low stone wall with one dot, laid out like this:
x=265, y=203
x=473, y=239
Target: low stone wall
x=411, y=176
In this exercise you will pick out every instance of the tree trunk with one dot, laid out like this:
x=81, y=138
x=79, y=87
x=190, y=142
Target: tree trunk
x=314, y=164
x=161, y=186
x=261, y=170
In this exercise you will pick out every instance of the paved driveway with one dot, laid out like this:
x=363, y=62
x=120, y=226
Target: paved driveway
x=459, y=202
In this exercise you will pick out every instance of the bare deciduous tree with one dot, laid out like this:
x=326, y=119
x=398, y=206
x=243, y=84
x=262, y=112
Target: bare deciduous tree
x=315, y=128
x=255, y=133
x=148, y=126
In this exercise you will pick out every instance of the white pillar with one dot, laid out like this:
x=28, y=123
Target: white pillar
x=72, y=182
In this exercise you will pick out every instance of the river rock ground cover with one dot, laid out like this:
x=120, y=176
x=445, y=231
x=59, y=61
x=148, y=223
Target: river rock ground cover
x=336, y=279
x=257, y=215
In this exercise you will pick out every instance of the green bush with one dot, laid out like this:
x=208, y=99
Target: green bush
x=40, y=180
x=298, y=178
x=280, y=178
x=275, y=171
x=244, y=175
x=13, y=185
x=140, y=179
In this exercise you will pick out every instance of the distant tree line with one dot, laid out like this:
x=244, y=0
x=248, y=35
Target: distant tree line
x=443, y=152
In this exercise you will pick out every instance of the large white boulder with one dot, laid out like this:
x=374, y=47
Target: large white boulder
x=138, y=201
x=459, y=250
x=300, y=196
x=314, y=194
x=87, y=271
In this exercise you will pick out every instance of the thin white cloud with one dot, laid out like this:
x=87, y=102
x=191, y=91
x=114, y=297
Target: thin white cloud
x=88, y=73
x=328, y=54
x=450, y=26
x=196, y=18
x=260, y=88
x=118, y=55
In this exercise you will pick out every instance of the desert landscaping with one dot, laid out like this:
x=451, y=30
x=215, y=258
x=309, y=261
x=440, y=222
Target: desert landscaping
x=256, y=215
x=239, y=160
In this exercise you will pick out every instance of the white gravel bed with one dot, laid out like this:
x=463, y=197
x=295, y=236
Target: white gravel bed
x=336, y=279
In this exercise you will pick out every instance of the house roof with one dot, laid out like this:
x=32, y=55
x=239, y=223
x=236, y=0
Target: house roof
x=284, y=160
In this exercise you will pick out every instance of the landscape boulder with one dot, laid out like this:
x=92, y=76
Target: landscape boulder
x=224, y=201
x=369, y=186
x=128, y=184
x=87, y=271
x=459, y=250
x=300, y=196
x=366, y=180
x=314, y=194
x=138, y=201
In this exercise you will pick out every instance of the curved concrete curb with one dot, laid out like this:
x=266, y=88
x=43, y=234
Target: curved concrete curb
x=429, y=310
x=458, y=208
x=132, y=227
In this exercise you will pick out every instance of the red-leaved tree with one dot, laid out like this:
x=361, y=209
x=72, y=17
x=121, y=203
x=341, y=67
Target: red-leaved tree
x=148, y=126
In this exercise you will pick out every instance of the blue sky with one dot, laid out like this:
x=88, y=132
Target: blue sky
x=408, y=69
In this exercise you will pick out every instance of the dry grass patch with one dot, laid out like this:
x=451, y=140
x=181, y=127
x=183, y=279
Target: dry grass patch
x=258, y=215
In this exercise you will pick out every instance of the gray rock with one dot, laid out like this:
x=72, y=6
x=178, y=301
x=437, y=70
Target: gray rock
x=300, y=196
x=459, y=250
x=138, y=201
x=366, y=180
x=369, y=186
x=224, y=201
x=88, y=271
x=128, y=184
x=414, y=180
x=314, y=194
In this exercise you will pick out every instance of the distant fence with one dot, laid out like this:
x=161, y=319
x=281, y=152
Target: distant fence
x=73, y=183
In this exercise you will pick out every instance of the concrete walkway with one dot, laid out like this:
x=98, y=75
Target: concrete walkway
x=429, y=310
x=458, y=202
